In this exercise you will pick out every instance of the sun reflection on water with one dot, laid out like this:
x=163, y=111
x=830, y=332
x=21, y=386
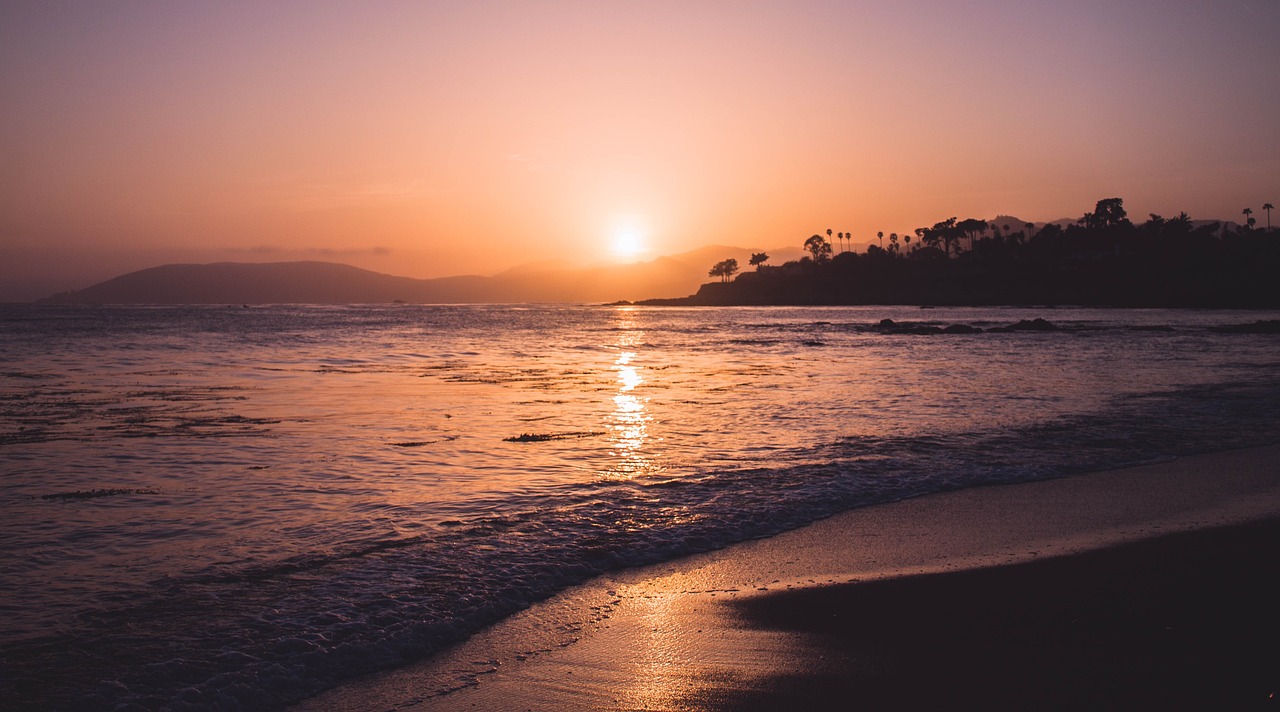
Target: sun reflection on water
x=628, y=423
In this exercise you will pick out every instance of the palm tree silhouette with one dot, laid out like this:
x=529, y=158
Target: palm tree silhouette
x=881, y=236
x=1248, y=217
x=1268, y=207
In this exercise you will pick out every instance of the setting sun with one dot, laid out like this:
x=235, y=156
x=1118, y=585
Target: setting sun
x=628, y=242
x=577, y=350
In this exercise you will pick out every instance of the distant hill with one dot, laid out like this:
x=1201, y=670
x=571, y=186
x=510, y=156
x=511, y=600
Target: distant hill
x=332, y=283
x=264, y=283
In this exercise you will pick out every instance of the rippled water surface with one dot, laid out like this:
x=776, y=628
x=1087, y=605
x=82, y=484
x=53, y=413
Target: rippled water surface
x=237, y=507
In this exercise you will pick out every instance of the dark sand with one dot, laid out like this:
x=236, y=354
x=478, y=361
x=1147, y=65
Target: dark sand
x=1184, y=621
x=1146, y=588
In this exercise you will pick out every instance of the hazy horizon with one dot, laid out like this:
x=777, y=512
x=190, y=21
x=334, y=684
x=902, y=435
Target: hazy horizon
x=694, y=259
x=460, y=138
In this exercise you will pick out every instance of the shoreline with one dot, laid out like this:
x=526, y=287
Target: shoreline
x=727, y=629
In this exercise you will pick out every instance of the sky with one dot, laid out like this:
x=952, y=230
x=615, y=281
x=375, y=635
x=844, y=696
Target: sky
x=427, y=139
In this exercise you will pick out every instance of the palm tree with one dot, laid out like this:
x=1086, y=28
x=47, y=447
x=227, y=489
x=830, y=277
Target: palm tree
x=972, y=228
x=1248, y=217
x=1268, y=207
x=841, y=236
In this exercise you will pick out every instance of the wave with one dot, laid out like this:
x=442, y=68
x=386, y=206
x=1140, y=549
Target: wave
x=261, y=638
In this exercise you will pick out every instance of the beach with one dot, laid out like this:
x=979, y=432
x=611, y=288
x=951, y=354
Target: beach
x=1144, y=587
x=211, y=508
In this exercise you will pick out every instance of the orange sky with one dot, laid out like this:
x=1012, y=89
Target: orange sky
x=435, y=138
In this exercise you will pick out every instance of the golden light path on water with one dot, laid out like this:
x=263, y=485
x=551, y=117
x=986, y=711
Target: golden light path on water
x=628, y=423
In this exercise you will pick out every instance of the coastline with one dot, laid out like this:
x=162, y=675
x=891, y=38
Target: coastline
x=747, y=625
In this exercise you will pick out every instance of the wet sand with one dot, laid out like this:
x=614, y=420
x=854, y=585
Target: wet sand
x=1148, y=587
x=1186, y=621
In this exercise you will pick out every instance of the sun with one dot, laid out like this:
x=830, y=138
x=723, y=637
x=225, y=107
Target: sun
x=628, y=242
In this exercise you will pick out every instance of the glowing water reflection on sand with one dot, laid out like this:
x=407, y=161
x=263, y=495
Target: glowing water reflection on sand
x=663, y=670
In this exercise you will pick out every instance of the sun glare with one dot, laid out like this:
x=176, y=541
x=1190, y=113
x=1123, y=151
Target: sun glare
x=628, y=242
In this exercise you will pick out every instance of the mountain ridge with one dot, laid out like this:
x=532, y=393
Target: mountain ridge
x=321, y=282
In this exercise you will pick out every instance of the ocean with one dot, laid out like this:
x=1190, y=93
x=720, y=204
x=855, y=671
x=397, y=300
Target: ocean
x=235, y=508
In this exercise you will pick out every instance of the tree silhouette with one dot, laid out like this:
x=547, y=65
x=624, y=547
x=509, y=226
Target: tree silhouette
x=725, y=269
x=819, y=248
x=1268, y=207
x=946, y=233
x=841, y=238
x=880, y=235
x=1248, y=217
x=1109, y=212
x=929, y=236
x=972, y=227
x=1103, y=260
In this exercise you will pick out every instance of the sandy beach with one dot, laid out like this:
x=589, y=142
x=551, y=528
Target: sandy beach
x=1147, y=587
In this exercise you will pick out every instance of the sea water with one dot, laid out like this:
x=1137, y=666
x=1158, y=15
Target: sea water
x=235, y=508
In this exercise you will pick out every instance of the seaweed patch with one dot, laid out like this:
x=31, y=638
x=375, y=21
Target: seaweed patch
x=544, y=437
x=96, y=493
x=424, y=443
